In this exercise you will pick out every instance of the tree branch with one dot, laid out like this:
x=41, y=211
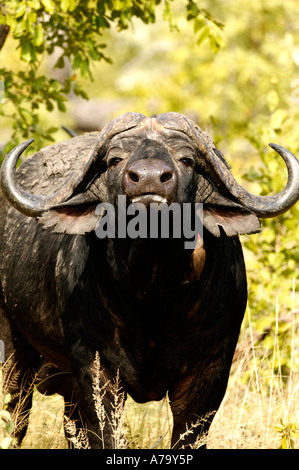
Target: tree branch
x=4, y=30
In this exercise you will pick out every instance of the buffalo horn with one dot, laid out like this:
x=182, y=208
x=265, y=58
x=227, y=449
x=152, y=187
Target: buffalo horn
x=262, y=206
x=32, y=205
x=24, y=202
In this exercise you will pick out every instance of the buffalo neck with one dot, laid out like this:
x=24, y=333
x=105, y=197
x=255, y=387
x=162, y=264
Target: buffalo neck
x=148, y=261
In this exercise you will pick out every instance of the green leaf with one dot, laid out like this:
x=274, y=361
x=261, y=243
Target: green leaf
x=216, y=41
x=49, y=6
x=203, y=35
x=61, y=106
x=84, y=68
x=77, y=61
x=60, y=62
x=49, y=105
x=38, y=38
x=278, y=428
x=51, y=130
x=55, y=86
x=28, y=53
x=39, y=83
x=192, y=10
x=198, y=24
x=80, y=92
x=20, y=10
x=26, y=115
x=68, y=5
x=92, y=50
x=65, y=5
x=9, y=427
x=284, y=444
x=35, y=4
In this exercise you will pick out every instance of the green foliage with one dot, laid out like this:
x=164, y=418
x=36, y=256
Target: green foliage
x=205, y=26
x=288, y=432
x=40, y=27
x=245, y=96
x=273, y=255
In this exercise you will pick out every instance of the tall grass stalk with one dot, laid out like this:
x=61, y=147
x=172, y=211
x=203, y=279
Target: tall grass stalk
x=255, y=368
x=260, y=408
x=293, y=340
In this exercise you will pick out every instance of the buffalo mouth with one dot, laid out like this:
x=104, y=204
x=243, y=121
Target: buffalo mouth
x=149, y=198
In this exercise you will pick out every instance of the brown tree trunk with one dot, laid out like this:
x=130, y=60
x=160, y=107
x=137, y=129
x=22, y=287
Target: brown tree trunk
x=4, y=30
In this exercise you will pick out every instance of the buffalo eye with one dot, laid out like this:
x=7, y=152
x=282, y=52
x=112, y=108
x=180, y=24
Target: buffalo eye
x=187, y=161
x=114, y=161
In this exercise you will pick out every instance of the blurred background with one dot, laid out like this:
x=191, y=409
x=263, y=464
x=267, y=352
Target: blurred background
x=233, y=67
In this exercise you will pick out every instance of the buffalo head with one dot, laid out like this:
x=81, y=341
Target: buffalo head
x=168, y=159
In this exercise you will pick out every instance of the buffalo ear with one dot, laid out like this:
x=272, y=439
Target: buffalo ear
x=233, y=219
x=73, y=220
x=76, y=216
x=220, y=212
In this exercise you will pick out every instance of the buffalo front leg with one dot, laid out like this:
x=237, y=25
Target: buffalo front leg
x=19, y=371
x=194, y=402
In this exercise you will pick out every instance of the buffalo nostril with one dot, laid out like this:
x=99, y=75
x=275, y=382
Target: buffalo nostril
x=133, y=176
x=166, y=176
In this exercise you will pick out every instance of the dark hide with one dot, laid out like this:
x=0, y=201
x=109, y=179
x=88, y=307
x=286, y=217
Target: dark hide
x=165, y=317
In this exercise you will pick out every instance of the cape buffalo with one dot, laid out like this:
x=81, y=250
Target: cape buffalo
x=163, y=316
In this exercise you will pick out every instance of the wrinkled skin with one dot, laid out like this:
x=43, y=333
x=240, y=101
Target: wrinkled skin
x=144, y=305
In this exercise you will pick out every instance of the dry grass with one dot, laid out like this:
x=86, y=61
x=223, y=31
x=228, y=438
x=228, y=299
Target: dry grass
x=45, y=430
x=248, y=417
x=260, y=409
